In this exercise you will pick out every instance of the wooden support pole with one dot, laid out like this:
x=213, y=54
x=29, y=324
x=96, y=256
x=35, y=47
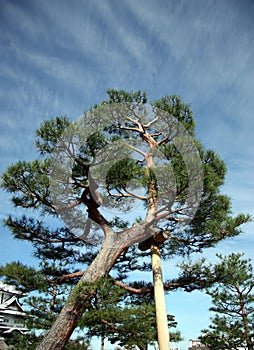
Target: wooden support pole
x=160, y=305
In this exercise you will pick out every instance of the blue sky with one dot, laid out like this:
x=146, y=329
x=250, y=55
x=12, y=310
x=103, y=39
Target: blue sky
x=59, y=57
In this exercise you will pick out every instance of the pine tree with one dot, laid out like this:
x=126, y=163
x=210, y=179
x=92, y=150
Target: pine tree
x=233, y=304
x=168, y=199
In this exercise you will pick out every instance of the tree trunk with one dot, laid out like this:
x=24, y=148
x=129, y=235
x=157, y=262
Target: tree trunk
x=58, y=335
x=244, y=316
x=247, y=332
x=161, y=313
x=78, y=301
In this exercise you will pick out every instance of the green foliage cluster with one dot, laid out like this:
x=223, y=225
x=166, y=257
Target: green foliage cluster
x=120, y=173
x=176, y=108
x=233, y=304
x=29, y=341
x=123, y=318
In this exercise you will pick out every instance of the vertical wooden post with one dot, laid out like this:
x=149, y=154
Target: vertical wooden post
x=160, y=305
x=102, y=342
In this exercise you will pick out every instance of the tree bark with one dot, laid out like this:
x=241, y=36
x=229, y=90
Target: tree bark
x=161, y=313
x=244, y=316
x=78, y=301
x=247, y=332
x=58, y=335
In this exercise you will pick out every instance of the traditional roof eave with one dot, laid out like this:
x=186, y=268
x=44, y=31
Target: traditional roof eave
x=9, y=302
x=11, y=290
x=12, y=312
x=20, y=329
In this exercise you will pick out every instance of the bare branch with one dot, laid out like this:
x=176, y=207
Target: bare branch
x=134, y=195
x=66, y=277
x=133, y=120
x=128, y=128
x=162, y=142
x=137, y=150
x=151, y=122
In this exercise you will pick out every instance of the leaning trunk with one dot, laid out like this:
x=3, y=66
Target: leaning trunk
x=79, y=299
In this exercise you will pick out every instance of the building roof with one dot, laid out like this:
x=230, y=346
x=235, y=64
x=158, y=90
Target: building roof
x=12, y=305
x=12, y=315
x=6, y=288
